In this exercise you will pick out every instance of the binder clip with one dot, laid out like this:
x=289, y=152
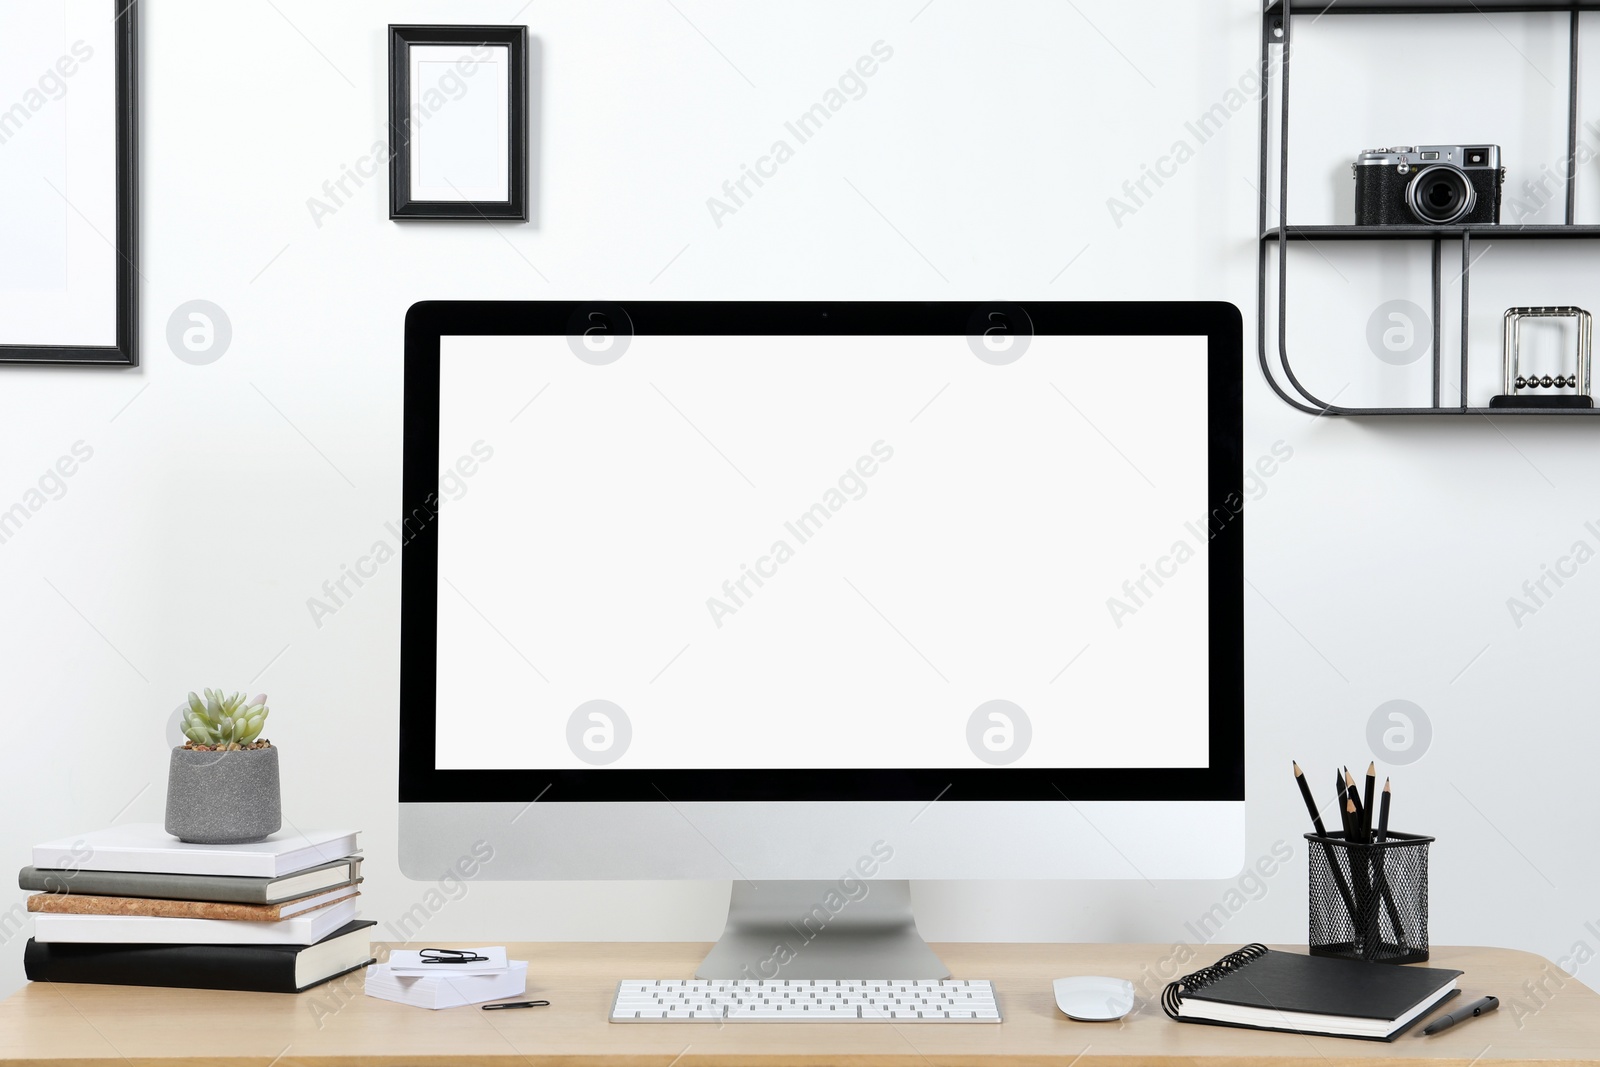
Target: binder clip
x=1526, y=391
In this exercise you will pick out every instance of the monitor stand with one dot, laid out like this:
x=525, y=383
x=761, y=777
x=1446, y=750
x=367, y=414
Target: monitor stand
x=805, y=930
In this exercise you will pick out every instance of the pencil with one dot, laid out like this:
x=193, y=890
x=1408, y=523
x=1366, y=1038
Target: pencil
x=1355, y=800
x=1339, y=795
x=1366, y=800
x=1327, y=849
x=1368, y=930
x=1311, y=805
x=1380, y=837
x=1383, y=814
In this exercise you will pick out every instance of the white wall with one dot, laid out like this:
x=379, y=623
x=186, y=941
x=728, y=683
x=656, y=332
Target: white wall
x=219, y=498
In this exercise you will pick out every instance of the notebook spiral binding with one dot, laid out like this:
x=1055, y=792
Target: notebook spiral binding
x=1172, y=996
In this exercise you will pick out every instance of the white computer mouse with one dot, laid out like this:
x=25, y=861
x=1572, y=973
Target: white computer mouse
x=1093, y=999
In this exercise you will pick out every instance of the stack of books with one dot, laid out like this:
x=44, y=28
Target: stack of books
x=132, y=905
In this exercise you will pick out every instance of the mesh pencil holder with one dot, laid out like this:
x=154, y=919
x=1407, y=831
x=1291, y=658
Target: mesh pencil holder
x=1369, y=902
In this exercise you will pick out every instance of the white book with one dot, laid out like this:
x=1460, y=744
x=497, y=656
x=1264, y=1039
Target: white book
x=447, y=991
x=147, y=847
x=305, y=929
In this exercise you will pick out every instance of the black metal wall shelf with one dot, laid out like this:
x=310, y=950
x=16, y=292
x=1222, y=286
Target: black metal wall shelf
x=1426, y=7
x=1435, y=233
x=1277, y=32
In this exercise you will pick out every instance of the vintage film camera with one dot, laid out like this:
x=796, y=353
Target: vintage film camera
x=1428, y=185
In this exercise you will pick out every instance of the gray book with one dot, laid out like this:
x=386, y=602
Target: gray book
x=226, y=889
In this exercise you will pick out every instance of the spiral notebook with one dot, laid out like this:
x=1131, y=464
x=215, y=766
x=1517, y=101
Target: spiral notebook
x=1260, y=989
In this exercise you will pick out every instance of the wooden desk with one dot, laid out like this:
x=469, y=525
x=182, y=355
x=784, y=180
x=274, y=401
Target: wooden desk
x=138, y=1027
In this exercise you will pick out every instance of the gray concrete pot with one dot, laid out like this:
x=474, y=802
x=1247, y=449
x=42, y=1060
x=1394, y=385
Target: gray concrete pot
x=223, y=798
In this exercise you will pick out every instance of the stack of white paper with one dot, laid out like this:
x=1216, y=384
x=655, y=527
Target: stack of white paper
x=407, y=980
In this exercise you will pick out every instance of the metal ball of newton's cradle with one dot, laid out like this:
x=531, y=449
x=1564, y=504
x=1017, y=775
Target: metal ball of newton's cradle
x=1560, y=381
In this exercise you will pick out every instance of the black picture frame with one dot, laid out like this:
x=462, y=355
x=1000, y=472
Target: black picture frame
x=125, y=352
x=421, y=780
x=402, y=205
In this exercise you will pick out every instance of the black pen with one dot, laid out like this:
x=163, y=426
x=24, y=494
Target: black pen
x=518, y=1004
x=1471, y=1011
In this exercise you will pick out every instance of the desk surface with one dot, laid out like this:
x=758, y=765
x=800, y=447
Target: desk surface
x=1557, y=1023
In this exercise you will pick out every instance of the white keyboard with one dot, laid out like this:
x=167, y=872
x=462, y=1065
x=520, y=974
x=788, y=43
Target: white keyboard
x=832, y=1001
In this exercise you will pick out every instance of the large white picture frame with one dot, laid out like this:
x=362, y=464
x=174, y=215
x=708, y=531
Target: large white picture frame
x=68, y=197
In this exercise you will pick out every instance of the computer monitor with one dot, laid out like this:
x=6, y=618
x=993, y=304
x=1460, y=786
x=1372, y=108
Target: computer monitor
x=834, y=595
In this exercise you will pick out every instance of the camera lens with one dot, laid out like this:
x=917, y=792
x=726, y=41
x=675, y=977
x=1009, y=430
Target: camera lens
x=1440, y=194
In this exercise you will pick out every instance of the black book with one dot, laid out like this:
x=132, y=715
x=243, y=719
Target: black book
x=253, y=968
x=1265, y=990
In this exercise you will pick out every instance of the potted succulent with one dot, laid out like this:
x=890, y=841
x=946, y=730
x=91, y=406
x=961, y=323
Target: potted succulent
x=222, y=784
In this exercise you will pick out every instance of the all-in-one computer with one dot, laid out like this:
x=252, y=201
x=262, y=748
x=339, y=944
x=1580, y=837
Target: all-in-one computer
x=822, y=598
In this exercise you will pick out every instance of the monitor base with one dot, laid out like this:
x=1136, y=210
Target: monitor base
x=806, y=930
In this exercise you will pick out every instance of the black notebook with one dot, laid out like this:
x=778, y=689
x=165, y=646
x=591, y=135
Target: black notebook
x=1265, y=990
x=255, y=968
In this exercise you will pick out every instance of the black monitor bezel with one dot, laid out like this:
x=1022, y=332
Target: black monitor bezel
x=422, y=782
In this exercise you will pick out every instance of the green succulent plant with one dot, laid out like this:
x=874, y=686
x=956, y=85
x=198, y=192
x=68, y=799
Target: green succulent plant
x=224, y=721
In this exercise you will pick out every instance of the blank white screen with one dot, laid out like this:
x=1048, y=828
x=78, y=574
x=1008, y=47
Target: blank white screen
x=606, y=506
